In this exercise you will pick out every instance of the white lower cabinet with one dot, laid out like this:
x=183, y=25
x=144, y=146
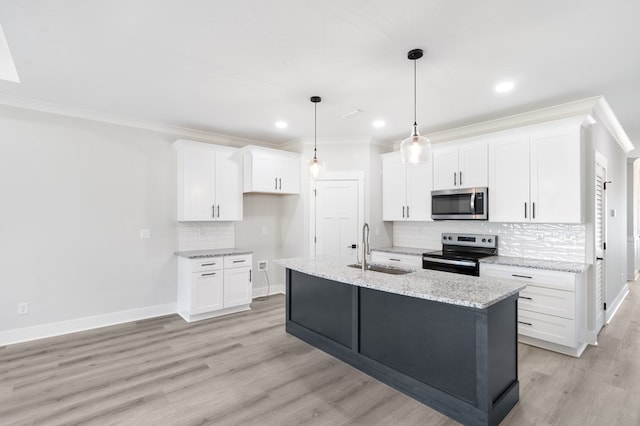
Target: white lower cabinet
x=396, y=259
x=551, y=309
x=214, y=286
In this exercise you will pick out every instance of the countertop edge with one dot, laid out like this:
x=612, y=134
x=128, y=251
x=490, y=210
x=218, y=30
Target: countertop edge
x=202, y=254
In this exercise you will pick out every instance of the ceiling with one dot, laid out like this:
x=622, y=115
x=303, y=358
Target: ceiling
x=235, y=67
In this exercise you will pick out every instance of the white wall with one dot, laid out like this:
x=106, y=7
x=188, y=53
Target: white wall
x=75, y=194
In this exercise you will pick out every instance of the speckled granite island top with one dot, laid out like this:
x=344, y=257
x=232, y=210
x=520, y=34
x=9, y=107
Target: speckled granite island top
x=551, y=265
x=445, y=287
x=199, y=254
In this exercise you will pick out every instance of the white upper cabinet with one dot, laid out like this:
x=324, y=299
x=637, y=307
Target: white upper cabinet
x=460, y=164
x=209, y=182
x=406, y=190
x=271, y=171
x=535, y=174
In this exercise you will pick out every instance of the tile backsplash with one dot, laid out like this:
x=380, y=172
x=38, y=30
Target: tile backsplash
x=205, y=235
x=562, y=242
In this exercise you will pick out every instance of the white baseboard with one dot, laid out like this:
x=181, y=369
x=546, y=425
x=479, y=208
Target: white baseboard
x=617, y=302
x=262, y=291
x=81, y=324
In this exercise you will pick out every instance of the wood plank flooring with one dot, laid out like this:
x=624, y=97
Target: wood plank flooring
x=244, y=369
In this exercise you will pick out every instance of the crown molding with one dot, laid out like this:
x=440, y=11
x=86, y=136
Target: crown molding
x=588, y=108
x=178, y=132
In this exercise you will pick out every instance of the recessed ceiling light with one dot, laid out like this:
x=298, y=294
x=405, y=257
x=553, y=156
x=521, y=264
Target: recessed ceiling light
x=281, y=124
x=378, y=124
x=504, y=87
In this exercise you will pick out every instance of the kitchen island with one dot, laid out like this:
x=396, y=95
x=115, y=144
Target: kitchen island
x=447, y=340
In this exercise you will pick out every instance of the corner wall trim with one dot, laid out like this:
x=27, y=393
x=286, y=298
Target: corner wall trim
x=81, y=324
x=615, y=305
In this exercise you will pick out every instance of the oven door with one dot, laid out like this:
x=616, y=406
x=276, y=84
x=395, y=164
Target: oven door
x=458, y=266
x=460, y=204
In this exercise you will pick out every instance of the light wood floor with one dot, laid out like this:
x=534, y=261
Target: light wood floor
x=244, y=369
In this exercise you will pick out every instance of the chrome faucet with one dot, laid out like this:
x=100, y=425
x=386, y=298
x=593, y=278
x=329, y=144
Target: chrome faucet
x=365, y=246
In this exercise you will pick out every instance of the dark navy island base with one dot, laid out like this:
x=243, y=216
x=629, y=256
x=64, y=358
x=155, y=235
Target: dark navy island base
x=457, y=360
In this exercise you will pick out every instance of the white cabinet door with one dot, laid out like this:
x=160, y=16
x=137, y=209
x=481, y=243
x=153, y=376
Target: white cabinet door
x=509, y=179
x=264, y=174
x=473, y=161
x=445, y=167
x=394, y=184
x=556, y=176
x=418, y=192
x=199, y=185
x=289, y=175
x=206, y=291
x=237, y=287
x=228, y=188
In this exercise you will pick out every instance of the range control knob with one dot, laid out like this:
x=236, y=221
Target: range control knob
x=450, y=238
x=484, y=240
x=490, y=240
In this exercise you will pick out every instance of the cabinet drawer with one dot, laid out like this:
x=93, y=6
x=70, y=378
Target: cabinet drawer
x=539, y=277
x=547, y=327
x=406, y=260
x=237, y=261
x=207, y=264
x=548, y=301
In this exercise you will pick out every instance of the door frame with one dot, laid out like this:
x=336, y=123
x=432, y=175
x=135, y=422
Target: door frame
x=357, y=176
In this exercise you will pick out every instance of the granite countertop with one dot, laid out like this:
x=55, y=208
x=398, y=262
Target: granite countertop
x=445, y=287
x=404, y=250
x=199, y=254
x=552, y=265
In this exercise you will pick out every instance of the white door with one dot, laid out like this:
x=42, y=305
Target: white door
x=445, y=168
x=199, y=185
x=206, y=291
x=336, y=218
x=418, y=192
x=474, y=164
x=600, y=240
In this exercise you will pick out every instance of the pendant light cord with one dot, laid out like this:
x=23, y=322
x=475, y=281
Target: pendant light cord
x=315, y=130
x=415, y=102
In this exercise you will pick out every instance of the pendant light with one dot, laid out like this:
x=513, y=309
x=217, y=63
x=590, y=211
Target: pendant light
x=415, y=149
x=315, y=165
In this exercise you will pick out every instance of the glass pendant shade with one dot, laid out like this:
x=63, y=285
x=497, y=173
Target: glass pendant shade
x=415, y=149
x=316, y=168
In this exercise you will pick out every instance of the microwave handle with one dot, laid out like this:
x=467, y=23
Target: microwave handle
x=473, y=202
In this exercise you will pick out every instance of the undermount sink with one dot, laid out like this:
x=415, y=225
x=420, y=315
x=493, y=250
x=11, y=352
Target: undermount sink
x=383, y=269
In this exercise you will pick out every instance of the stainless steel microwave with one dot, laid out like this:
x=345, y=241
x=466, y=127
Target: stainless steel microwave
x=460, y=204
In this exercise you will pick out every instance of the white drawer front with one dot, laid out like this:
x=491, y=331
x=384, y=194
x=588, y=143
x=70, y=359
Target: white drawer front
x=207, y=264
x=405, y=260
x=238, y=261
x=539, y=277
x=546, y=327
x=548, y=301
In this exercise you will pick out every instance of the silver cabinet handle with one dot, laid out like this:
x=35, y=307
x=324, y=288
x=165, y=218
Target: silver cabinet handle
x=213, y=210
x=280, y=183
x=276, y=184
x=407, y=212
x=533, y=210
x=455, y=177
x=395, y=260
x=402, y=211
x=218, y=210
x=209, y=264
x=460, y=178
x=210, y=273
x=521, y=276
x=240, y=261
x=249, y=275
x=525, y=209
x=525, y=323
x=525, y=297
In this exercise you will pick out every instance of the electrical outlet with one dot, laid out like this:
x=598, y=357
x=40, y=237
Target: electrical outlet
x=262, y=265
x=23, y=308
x=145, y=233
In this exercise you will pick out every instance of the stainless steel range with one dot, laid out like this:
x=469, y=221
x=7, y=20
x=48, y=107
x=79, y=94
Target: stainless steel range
x=461, y=253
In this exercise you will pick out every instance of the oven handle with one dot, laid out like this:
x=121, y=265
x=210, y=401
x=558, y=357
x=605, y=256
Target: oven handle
x=450, y=262
x=473, y=203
